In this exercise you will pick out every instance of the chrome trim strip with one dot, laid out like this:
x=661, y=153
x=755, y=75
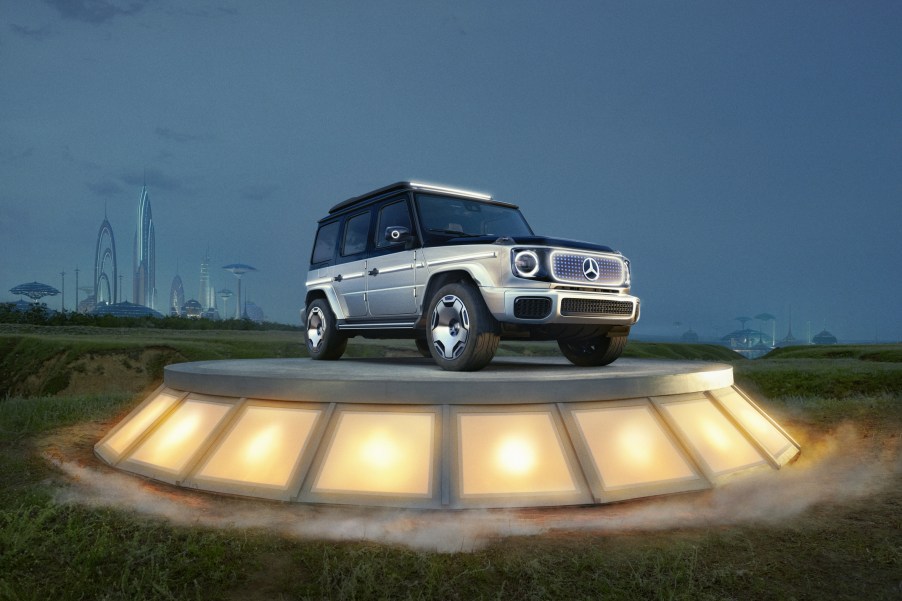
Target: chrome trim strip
x=319, y=281
x=395, y=268
x=485, y=255
x=353, y=276
x=376, y=326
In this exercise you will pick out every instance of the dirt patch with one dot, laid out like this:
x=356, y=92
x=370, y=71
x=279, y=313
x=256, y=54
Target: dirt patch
x=104, y=373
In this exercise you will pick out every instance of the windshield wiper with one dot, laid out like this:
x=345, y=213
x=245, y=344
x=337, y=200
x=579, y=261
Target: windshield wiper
x=453, y=233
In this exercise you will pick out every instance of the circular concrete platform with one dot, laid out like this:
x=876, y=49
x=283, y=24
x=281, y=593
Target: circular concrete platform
x=402, y=432
x=420, y=381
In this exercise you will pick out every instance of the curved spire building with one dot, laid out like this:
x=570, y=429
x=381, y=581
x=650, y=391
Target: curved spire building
x=144, y=286
x=105, y=280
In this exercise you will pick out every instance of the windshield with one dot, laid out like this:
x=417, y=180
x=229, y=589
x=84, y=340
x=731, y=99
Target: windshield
x=459, y=217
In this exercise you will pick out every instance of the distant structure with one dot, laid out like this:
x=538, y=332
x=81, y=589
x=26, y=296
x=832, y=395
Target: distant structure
x=176, y=297
x=253, y=312
x=824, y=337
x=125, y=309
x=105, y=269
x=225, y=294
x=144, y=287
x=789, y=339
x=207, y=293
x=238, y=270
x=689, y=336
x=192, y=309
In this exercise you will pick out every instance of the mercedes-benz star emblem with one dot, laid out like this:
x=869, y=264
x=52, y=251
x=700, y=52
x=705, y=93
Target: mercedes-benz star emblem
x=590, y=269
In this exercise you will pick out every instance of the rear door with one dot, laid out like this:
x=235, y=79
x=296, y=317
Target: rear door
x=351, y=263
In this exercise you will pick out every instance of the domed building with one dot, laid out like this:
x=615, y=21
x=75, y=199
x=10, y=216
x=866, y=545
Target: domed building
x=824, y=337
x=192, y=309
x=125, y=309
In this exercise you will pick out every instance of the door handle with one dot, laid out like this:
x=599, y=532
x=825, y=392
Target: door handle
x=337, y=278
x=374, y=271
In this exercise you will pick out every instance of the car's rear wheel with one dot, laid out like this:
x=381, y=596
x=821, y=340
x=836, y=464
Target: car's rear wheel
x=462, y=334
x=593, y=352
x=321, y=336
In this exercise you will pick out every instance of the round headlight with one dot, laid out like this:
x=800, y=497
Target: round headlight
x=526, y=263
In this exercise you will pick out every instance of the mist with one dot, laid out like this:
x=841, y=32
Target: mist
x=837, y=468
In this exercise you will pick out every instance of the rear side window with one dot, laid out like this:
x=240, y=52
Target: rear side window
x=357, y=231
x=324, y=247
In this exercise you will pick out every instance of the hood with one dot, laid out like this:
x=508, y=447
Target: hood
x=534, y=241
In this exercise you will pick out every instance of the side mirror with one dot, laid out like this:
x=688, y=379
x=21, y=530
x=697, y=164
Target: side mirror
x=396, y=234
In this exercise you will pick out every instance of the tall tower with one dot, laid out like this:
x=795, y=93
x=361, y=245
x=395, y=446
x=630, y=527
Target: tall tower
x=105, y=277
x=207, y=295
x=144, y=287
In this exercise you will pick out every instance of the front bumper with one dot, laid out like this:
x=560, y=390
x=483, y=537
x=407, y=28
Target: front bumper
x=560, y=306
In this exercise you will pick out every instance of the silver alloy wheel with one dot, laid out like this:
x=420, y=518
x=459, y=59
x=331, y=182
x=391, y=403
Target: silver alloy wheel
x=316, y=327
x=450, y=327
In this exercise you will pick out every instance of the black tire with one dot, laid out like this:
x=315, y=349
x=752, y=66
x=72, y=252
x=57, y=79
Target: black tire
x=461, y=333
x=593, y=352
x=423, y=347
x=321, y=336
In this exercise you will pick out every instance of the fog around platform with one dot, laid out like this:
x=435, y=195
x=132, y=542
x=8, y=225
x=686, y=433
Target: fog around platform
x=837, y=468
x=744, y=157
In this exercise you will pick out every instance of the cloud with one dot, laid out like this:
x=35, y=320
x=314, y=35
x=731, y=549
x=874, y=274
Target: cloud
x=96, y=11
x=154, y=178
x=38, y=34
x=105, y=188
x=181, y=137
x=258, y=192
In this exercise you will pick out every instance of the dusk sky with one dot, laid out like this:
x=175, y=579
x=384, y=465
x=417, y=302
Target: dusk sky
x=746, y=156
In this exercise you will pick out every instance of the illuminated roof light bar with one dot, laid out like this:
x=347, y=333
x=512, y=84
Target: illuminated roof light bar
x=434, y=188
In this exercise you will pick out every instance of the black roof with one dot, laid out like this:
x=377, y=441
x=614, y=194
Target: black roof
x=400, y=186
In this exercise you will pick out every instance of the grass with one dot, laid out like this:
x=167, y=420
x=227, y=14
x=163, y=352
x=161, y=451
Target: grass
x=59, y=551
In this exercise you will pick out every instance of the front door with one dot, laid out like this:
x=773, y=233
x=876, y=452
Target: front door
x=391, y=272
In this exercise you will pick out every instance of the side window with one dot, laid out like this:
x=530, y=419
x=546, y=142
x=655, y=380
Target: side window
x=357, y=230
x=324, y=247
x=394, y=214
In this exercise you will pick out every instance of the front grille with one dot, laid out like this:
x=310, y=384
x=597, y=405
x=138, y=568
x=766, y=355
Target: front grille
x=532, y=307
x=572, y=267
x=594, y=306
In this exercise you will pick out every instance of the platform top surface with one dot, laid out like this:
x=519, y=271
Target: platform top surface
x=407, y=380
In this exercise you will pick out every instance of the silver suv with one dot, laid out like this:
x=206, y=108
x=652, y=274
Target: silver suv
x=457, y=272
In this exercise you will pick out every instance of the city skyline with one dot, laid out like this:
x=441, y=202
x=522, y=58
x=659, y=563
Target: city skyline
x=744, y=157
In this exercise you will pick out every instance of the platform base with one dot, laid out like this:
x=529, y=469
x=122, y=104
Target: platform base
x=403, y=433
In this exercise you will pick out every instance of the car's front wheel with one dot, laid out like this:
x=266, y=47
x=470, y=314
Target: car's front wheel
x=462, y=333
x=321, y=336
x=593, y=352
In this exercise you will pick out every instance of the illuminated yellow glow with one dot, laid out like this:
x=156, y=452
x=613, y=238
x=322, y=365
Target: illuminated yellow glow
x=133, y=428
x=511, y=453
x=263, y=447
x=721, y=446
x=629, y=447
x=179, y=437
x=515, y=456
x=752, y=420
x=380, y=452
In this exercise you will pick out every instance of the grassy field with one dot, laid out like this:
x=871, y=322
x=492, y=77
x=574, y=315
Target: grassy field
x=831, y=525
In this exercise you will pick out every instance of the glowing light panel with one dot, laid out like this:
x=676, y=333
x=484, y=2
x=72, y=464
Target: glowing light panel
x=516, y=453
x=177, y=439
x=263, y=447
x=629, y=447
x=134, y=427
x=380, y=452
x=757, y=425
x=721, y=446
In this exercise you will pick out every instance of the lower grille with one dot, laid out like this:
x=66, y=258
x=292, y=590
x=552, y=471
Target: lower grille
x=594, y=306
x=531, y=307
